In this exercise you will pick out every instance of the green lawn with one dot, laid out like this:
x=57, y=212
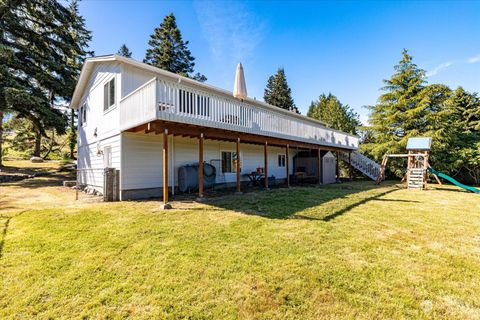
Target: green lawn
x=342, y=251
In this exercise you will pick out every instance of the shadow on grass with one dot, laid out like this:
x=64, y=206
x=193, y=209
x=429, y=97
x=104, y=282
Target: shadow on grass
x=40, y=181
x=6, y=224
x=453, y=189
x=42, y=177
x=358, y=203
x=304, y=202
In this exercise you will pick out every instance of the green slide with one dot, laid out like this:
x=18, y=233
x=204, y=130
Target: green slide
x=455, y=182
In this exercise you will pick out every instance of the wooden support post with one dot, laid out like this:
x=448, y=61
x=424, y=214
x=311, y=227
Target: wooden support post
x=238, y=165
x=319, y=167
x=409, y=166
x=350, y=171
x=425, y=166
x=200, y=166
x=381, y=173
x=337, y=168
x=434, y=175
x=287, y=165
x=166, y=205
x=265, y=169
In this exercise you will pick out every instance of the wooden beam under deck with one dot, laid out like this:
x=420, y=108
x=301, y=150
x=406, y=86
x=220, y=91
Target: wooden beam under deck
x=165, y=169
x=237, y=163
x=287, y=165
x=200, y=166
x=194, y=131
x=265, y=158
x=319, y=166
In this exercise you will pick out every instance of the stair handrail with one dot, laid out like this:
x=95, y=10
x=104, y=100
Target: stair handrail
x=362, y=163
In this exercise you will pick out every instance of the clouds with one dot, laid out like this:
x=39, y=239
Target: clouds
x=474, y=59
x=232, y=30
x=440, y=68
x=448, y=64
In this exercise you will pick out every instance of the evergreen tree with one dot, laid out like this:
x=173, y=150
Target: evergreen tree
x=465, y=109
x=42, y=47
x=408, y=108
x=336, y=115
x=394, y=116
x=124, y=51
x=82, y=37
x=462, y=122
x=168, y=51
x=278, y=93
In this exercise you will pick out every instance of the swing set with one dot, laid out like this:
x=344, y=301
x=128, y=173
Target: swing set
x=417, y=163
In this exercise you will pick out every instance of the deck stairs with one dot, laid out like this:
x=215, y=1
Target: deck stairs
x=365, y=165
x=415, y=180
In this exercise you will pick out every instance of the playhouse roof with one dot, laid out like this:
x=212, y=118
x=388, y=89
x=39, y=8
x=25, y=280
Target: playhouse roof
x=419, y=143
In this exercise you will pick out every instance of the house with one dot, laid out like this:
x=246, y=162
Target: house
x=147, y=123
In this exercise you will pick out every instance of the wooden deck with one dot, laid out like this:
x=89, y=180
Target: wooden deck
x=172, y=102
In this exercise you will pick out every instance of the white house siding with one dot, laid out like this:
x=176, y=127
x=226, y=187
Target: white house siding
x=101, y=128
x=142, y=159
x=91, y=161
x=103, y=123
x=133, y=78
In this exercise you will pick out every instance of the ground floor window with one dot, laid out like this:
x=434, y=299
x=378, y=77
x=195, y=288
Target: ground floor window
x=107, y=157
x=229, y=161
x=281, y=160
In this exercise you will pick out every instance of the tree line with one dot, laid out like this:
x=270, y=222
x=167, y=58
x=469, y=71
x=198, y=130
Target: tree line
x=43, y=45
x=410, y=107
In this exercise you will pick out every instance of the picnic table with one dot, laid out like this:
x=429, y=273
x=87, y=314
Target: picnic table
x=254, y=178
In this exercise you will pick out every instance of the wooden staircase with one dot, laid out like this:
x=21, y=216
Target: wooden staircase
x=362, y=163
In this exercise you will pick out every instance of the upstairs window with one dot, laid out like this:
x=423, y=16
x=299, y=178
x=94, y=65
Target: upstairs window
x=109, y=94
x=83, y=114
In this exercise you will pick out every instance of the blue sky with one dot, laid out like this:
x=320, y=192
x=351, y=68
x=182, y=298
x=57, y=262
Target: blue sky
x=345, y=48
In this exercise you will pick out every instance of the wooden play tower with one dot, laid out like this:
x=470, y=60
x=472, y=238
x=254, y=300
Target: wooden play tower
x=417, y=163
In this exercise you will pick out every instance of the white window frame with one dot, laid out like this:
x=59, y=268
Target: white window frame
x=107, y=104
x=281, y=160
x=83, y=114
x=107, y=157
x=232, y=163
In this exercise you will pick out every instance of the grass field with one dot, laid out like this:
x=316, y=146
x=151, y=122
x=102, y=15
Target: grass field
x=342, y=251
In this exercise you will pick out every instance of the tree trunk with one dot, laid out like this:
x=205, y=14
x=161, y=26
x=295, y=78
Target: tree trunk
x=50, y=147
x=38, y=144
x=1, y=137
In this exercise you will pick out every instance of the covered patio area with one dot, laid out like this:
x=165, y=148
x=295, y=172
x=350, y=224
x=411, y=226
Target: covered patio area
x=306, y=167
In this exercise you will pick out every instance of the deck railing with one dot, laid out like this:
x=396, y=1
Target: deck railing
x=139, y=106
x=167, y=100
x=363, y=164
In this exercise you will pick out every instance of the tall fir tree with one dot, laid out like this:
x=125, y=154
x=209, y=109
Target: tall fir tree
x=124, y=51
x=41, y=54
x=278, y=93
x=82, y=37
x=336, y=115
x=168, y=51
x=390, y=120
x=462, y=122
x=409, y=107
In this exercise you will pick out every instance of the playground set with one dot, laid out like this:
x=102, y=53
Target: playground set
x=418, y=149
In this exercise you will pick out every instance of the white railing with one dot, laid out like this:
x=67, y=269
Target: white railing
x=139, y=106
x=363, y=164
x=185, y=104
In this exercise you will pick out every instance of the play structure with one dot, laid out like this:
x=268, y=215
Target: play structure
x=418, y=167
x=455, y=182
